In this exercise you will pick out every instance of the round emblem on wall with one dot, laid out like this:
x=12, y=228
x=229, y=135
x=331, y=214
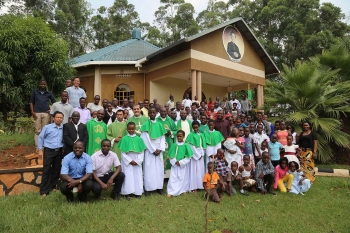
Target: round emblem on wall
x=233, y=43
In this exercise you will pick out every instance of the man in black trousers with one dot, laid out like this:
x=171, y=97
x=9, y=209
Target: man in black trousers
x=74, y=131
x=50, y=145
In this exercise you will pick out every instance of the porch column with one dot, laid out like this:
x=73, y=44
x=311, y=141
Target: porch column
x=199, y=86
x=260, y=95
x=194, y=83
x=97, y=82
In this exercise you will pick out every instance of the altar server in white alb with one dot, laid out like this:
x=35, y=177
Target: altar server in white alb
x=180, y=155
x=197, y=142
x=153, y=135
x=132, y=152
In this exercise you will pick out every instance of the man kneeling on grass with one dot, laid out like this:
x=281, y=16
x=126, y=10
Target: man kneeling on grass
x=76, y=172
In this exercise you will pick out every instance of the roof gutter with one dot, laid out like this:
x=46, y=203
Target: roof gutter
x=89, y=63
x=139, y=62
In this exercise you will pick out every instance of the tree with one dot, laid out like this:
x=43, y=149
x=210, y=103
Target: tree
x=216, y=13
x=37, y=8
x=114, y=24
x=29, y=51
x=71, y=23
x=313, y=92
x=292, y=30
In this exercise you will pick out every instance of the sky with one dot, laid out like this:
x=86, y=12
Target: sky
x=146, y=8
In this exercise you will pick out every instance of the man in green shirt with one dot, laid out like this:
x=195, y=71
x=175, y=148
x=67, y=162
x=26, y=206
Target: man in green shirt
x=116, y=131
x=97, y=130
x=137, y=118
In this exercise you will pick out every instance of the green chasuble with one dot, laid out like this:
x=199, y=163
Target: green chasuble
x=130, y=143
x=203, y=128
x=116, y=129
x=168, y=124
x=194, y=139
x=180, y=152
x=138, y=122
x=154, y=129
x=97, y=132
x=178, y=125
x=213, y=137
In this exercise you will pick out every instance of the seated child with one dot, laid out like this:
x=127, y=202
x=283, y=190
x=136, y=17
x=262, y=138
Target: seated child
x=265, y=173
x=300, y=183
x=212, y=184
x=213, y=139
x=247, y=173
x=180, y=154
x=275, y=149
x=232, y=151
x=281, y=176
x=236, y=177
x=291, y=151
x=222, y=169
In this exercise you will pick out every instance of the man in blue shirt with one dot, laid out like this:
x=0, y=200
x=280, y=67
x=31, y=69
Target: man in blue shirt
x=76, y=172
x=75, y=93
x=50, y=144
x=40, y=108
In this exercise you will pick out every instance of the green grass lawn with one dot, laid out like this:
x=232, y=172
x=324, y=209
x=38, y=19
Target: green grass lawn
x=13, y=140
x=325, y=208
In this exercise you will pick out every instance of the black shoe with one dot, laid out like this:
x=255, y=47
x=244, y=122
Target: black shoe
x=160, y=191
x=127, y=197
x=70, y=198
x=272, y=193
x=116, y=198
x=147, y=193
x=81, y=198
x=245, y=194
x=98, y=197
x=137, y=196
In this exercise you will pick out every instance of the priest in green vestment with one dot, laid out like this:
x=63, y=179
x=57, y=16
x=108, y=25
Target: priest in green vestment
x=97, y=130
x=171, y=129
x=116, y=131
x=137, y=118
x=184, y=124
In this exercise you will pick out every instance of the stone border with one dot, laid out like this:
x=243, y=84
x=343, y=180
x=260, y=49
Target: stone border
x=16, y=181
x=332, y=172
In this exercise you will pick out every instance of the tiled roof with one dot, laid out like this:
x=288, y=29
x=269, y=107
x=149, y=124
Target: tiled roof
x=129, y=50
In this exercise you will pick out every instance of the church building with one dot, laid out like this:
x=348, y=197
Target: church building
x=225, y=58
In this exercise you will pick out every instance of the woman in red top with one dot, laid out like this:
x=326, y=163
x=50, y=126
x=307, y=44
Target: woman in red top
x=211, y=114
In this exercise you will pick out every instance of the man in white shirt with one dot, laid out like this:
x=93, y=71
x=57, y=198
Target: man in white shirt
x=187, y=102
x=94, y=107
x=115, y=106
x=217, y=107
x=234, y=100
x=103, y=177
x=171, y=102
x=75, y=93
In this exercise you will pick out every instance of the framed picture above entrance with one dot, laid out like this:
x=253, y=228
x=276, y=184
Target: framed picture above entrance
x=233, y=43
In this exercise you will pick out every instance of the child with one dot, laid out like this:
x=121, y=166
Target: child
x=232, y=151
x=213, y=139
x=281, y=176
x=180, y=155
x=265, y=173
x=236, y=177
x=291, y=150
x=290, y=128
x=197, y=142
x=275, y=149
x=212, y=184
x=300, y=183
x=203, y=127
x=247, y=174
x=152, y=134
x=259, y=137
x=235, y=110
x=132, y=152
x=248, y=146
x=222, y=169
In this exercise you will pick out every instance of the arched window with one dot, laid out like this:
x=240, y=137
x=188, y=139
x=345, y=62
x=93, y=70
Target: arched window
x=123, y=91
x=189, y=91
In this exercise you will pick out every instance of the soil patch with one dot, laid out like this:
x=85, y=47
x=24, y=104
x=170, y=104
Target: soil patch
x=14, y=157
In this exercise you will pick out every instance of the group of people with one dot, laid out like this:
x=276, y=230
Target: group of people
x=213, y=146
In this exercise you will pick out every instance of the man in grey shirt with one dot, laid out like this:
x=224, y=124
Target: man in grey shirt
x=244, y=104
x=64, y=107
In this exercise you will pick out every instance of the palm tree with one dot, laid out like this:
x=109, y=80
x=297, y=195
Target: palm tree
x=313, y=92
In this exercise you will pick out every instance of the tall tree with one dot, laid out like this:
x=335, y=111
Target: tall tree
x=216, y=13
x=29, y=51
x=71, y=22
x=114, y=24
x=292, y=30
x=37, y=8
